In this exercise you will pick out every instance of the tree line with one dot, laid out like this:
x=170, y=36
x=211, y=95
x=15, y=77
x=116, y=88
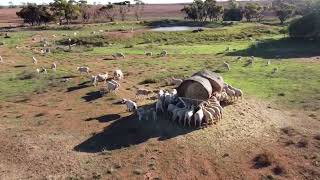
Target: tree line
x=205, y=10
x=65, y=11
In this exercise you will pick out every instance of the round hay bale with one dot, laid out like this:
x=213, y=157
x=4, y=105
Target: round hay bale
x=215, y=79
x=195, y=87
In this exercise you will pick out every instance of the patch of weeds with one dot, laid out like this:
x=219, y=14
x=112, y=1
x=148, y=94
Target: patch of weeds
x=262, y=160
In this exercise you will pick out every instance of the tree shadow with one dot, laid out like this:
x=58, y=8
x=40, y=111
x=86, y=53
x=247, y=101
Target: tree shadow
x=78, y=87
x=284, y=48
x=91, y=96
x=105, y=118
x=128, y=131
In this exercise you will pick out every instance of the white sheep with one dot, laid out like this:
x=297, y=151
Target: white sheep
x=176, y=81
x=163, y=53
x=148, y=53
x=238, y=92
x=94, y=80
x=188, y=116
x=54, y=66
x=170, y=108
x=118, y=74
x=131, y=106
x=102, y=77
x=269, y=62
x=111, y=86
x=83, y=69
x=161, y=94
x=35, y=61
x=208, y=117
x=167, y=98
x=38, y=70
x=141, y=113
x=226, y=65
x=231, y=93
x=198, y=117
x=44, y=70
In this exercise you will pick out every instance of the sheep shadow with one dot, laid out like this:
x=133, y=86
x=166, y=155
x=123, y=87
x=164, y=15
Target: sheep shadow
x=91, y=96
x=78, y=87
x=284, y=48
x=105, y=118
x=19, y=66
x=128, y=131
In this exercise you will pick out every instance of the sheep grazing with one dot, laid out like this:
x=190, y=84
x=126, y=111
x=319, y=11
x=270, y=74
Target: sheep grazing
x=112, y=86
x=238, y=92
x=163, y=53
x=118, y=74
x=102, y=77
x=231, y=93
x=131, y=106
x=83, y=69
x=226, y=65
x=118, y=55
x=35, y=61
x=176, y=82
x=54, y=66
x=1, y=59
x=148, y=53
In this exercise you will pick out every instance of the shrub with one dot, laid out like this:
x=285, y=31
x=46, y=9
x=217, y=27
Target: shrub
x=307, y=27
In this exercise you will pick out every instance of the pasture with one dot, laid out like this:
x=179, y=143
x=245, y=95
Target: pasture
x=58, y=126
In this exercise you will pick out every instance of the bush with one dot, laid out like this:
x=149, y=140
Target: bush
x=307, y=27
x=233, y=15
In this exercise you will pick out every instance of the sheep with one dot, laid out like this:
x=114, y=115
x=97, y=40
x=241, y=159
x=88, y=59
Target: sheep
x=170, y=108
x=1, y=59
x=198, y=117
x=230, y=93
x=175, y=81
x=188, y=116
x=131, y=106
x=226, y=65
x=161, y=94
x=93, y=80
x=141, y=113
x=252, y=58
x=38, y=70
x=43, y=70
x=75, y=34
x=238, y=92
x=83, y=69
x=148, y=53
x=167, y=98
x=163, y=53
x=35, y=61
x=54, y=66
x=175, y=112
x=116, y=55
x=117, y=74
x=208, y=117
x=111, y=86
x=102, y=77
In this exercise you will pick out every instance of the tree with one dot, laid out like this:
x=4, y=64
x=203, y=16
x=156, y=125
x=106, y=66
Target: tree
x=233, y=4
x=283, y=10
x=138, y=9
x=234, y=14
x=65, y=10
x=35, y=14
x=253, y=10
x=213, y=11
x=306, y=27
x=191, y=12
x=109, y=11
x=123, y=9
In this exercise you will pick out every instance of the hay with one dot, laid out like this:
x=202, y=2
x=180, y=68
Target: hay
x=216, y=80
x=195, y=87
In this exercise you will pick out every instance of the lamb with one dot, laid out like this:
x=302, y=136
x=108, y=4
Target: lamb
x=198, y=117
x=35, y=61
x=161, y=94
x=148, y=53
x=208, y=117
x=141, y=113
x=1, y=59
x=176, y=81
x=118, y=74
x=170, y=108
x=54, y=66
x=175, y=112
x=238, y=92
x=38, y=70
x=131, y=106
x=94, y=81
x=116, y=55
x=83, y=69
x=167, y=98
x=163, y=53
x=102, y=77
x=226, y=65
x=43, y=70
x=230, y=93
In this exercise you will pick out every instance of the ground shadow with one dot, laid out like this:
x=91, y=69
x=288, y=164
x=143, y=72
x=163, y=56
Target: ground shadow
x=19, y=66
x=105, y=118
x=171, y=23
x=91, y=96
x=284, y=48
x=78, y=87
x=128, y=131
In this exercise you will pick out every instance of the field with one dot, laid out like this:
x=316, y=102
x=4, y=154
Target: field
x=52, y=128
